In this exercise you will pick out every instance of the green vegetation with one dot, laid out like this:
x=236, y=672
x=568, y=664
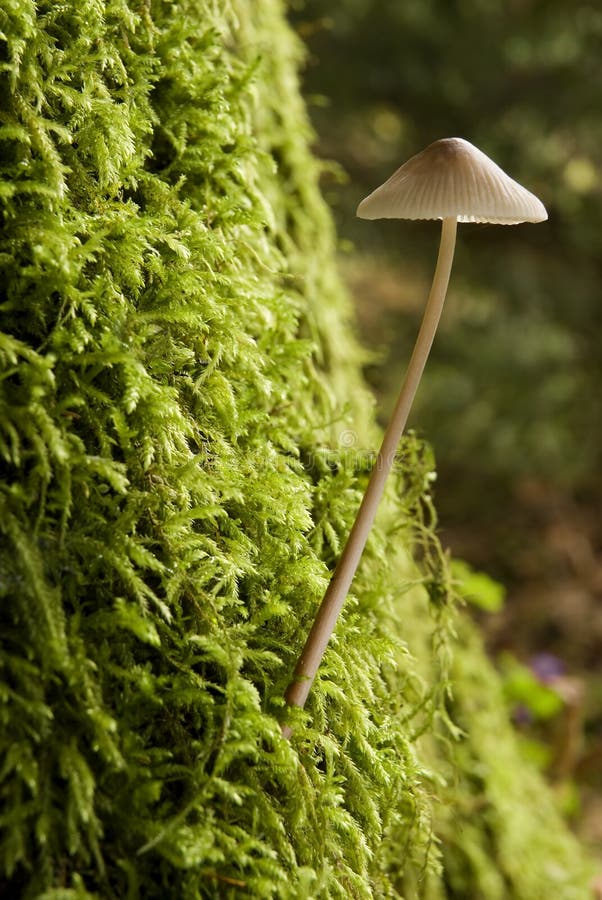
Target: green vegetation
x=178, y=375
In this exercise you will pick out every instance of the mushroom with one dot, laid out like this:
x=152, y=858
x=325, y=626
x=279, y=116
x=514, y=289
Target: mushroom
x=453, y=181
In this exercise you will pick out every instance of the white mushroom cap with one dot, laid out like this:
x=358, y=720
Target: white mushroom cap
x=452, y=178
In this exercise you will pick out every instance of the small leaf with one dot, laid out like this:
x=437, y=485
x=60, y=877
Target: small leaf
x=478, y=587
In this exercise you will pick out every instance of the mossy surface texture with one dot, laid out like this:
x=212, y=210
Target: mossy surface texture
x=181, y=413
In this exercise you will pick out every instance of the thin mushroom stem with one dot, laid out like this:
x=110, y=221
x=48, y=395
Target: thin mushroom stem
x=328, y=613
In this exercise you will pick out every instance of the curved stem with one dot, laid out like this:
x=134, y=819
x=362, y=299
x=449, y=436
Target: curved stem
x=327, y=615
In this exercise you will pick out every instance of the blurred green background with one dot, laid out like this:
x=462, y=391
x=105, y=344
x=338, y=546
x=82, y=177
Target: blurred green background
x=511, y=396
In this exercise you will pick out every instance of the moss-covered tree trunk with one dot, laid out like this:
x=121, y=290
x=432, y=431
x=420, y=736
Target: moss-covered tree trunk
x=179, y=396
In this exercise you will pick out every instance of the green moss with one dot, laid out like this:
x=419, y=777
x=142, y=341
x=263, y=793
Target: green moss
x=501, y=808
x=178, y=380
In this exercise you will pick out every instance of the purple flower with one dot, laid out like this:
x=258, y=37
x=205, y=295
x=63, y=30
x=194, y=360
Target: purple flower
x=546, y=667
